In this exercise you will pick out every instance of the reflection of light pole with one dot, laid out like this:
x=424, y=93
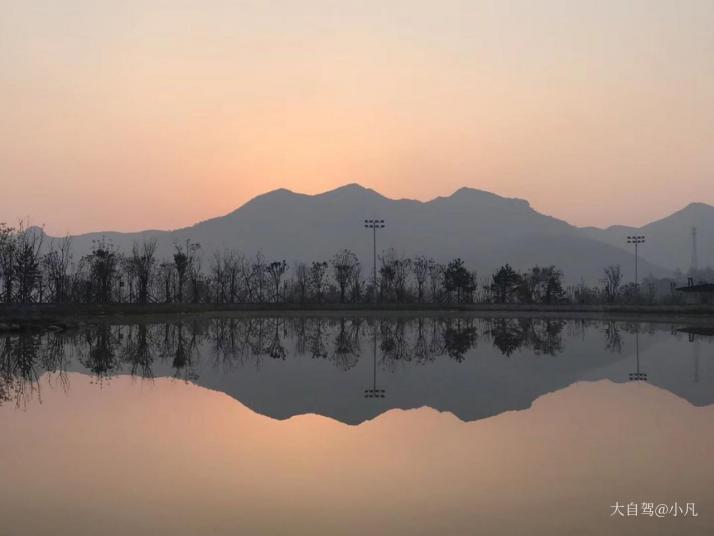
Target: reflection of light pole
x=374, y=225
x=374, y=392
x=695, y=343
x=636, y=240
x=638, y=376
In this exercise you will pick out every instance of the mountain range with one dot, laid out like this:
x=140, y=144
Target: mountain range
x=484, y=229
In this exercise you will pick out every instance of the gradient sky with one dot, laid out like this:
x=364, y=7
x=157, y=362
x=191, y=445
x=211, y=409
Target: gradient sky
x=157, y=114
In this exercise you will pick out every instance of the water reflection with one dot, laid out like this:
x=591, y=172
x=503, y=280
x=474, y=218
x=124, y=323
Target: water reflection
x=284, y=366
x=172, y=458
x=117, y=437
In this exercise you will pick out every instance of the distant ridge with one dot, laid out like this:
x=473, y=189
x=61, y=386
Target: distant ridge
x=484, y=229
x=668, y=241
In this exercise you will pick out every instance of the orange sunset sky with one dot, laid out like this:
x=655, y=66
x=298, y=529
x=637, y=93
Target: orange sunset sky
x=157, y=114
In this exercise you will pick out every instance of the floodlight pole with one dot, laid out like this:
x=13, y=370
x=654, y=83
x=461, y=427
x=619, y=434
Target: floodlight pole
x=374, y=225
x=636, y=240
x=637, y=376
x=374, y=359
x=374, y=392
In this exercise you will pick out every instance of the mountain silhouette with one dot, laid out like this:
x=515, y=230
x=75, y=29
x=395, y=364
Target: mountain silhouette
x=668, y=241
x=484, y=229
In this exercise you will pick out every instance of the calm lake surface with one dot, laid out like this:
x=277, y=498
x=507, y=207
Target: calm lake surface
x=377, y=425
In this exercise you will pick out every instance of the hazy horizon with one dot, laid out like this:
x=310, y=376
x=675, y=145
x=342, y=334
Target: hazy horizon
x=140, y=116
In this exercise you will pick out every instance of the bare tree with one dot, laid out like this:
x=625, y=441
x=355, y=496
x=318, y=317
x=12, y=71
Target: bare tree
x=218, y=279
x=318, y=272
x=420, y=267
x=103, y=263
x=167, y=277
x=142, y=262
x=302, y=280
x=356, y=284
x=183, y=262
x=344, y=265
x=8, y=245
x=394, y=273
x=612, y=281
x=56, y=263
x=195, y=279
x=275, y=271
x=28, y=260
x=258, y=278
x=436, y=279
x=229, y=276
x=233, y=268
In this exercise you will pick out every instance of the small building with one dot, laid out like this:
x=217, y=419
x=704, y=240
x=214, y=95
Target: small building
x=699, y=293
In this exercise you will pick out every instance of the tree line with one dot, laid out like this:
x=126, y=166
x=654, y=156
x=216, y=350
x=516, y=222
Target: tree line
x=34, y=269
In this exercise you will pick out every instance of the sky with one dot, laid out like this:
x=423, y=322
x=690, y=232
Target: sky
x=158, y=114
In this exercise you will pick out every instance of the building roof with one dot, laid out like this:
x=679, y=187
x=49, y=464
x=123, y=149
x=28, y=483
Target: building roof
x=706, y=331
x=703, y=287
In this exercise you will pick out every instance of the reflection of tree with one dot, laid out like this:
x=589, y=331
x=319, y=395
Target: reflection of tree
x=276, y=350
x=459, y=337
x=506, y=335
x=316, y=343
x=346, y=346
x=255, y=337
x=422, y=349
x=394, y=344
x=613, y=339
x=100, y=358
x=23, y=359
x=542, y=336
x=228, y=337
x=437, y=346
x=53, y=358
x=300, y=328
x=180, y=343
x=545, y=336
x=136, y=349
x=18, y=368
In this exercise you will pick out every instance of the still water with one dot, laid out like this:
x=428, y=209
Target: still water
x=378, y=425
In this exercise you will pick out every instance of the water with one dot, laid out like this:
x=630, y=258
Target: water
x=381, y=425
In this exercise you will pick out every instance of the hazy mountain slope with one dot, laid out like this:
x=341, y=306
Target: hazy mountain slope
x=669, y=240
x=484, y=229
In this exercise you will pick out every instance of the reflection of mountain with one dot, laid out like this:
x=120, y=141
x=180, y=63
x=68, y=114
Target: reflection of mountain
x=281, y=367
x=484, y=229
x=484, y=384
x=172, y=458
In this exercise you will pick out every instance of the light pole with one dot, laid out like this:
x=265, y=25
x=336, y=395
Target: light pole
x=374, y=225
x=695, y=349
x=636, y=240
x=374, y=392
x=637, y=376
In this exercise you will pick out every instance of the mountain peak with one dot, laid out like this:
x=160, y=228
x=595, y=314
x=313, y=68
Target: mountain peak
x=689, y=215
x=275, y=194
x=351, y=190
x=467, y=190
x=351, y=186
x=698, y=206
x=466, y=193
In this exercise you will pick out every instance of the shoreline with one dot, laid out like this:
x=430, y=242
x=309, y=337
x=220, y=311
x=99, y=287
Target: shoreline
x=62, y=317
